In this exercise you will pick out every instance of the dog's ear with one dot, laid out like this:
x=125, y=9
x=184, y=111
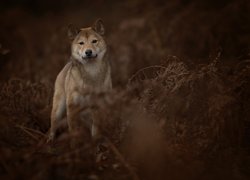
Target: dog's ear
x=72, y=31
x=99, y=27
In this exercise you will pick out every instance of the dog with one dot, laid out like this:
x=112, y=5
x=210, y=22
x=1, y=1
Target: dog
x=88, y=71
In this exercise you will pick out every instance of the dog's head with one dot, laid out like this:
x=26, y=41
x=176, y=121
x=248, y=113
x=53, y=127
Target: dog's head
x=88, y=44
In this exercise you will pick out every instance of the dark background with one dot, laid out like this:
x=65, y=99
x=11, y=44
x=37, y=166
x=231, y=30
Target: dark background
x=185, y=63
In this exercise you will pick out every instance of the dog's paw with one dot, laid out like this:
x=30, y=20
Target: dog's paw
x=50, y=138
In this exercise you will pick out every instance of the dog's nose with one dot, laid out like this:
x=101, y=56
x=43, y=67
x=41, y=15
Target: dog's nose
x=88, y=52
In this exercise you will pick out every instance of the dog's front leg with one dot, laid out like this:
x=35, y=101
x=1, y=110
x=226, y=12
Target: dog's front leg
x=58, y=112
x=94, y=129
x=73, y=107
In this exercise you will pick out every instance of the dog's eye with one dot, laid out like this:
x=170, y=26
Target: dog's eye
x=94, y=41
x=81, y=43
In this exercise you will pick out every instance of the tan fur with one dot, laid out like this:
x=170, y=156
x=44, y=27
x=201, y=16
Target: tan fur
x=80, y=76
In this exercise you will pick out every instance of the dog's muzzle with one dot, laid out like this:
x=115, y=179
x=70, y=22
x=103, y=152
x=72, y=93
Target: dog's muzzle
x=89, y=54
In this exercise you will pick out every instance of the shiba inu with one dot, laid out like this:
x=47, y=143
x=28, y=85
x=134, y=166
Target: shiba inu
x=88, y=70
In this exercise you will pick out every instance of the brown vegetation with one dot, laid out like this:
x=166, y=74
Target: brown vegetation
x=180, y=104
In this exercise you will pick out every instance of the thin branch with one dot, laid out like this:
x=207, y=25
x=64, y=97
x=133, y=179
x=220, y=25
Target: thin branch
x=122, y=160
x=27, y=131
x=34, y=131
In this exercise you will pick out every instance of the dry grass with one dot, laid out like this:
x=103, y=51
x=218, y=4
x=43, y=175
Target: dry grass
x=167, y=117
